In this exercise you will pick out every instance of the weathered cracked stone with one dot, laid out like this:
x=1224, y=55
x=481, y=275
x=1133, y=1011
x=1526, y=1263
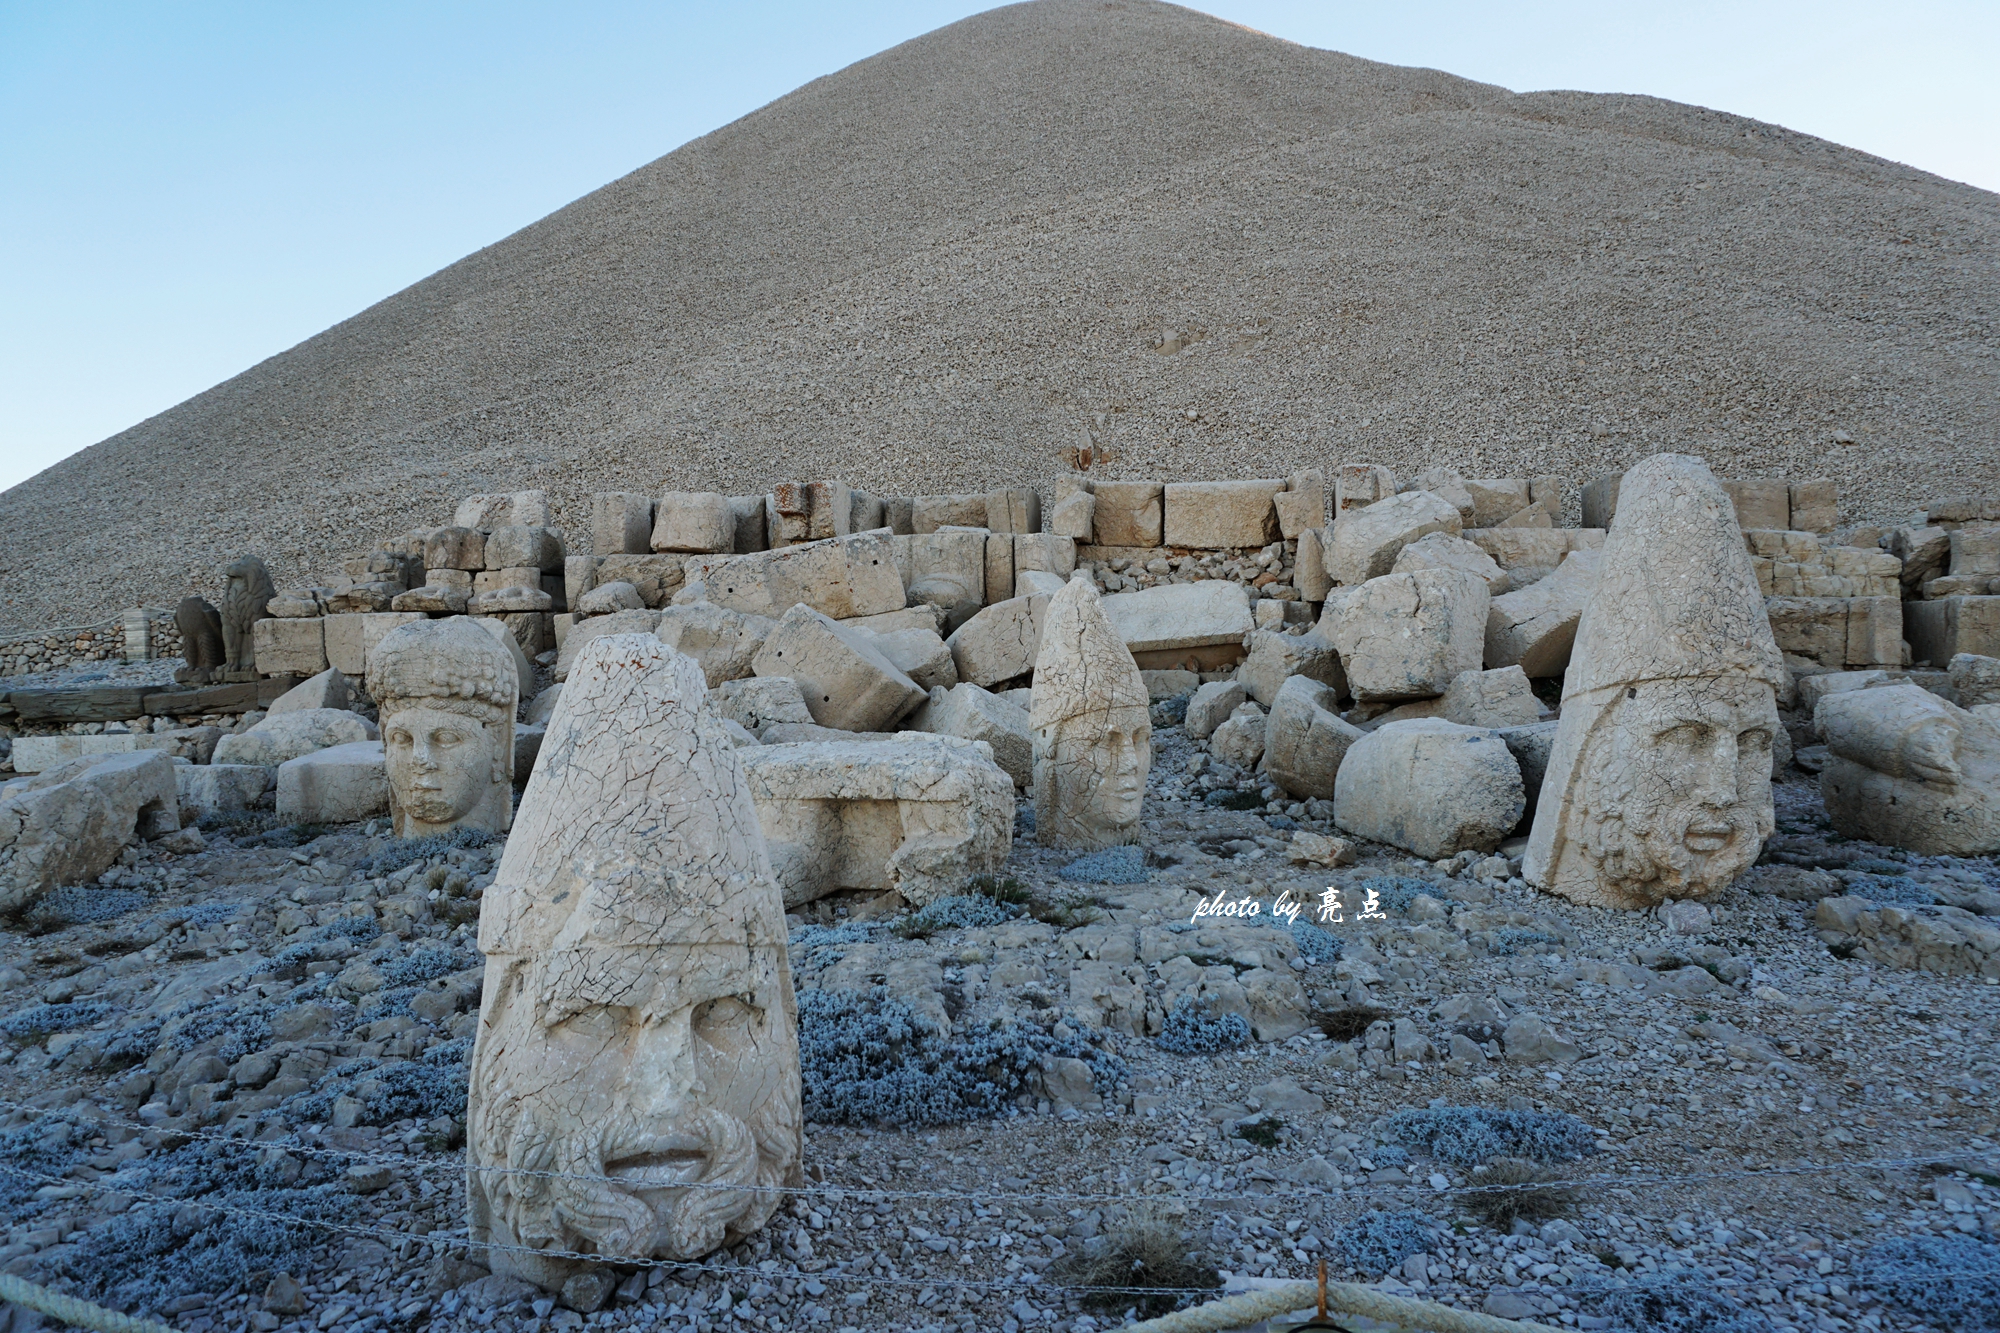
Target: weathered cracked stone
x=1431, y=787
x=973, y=714
x=289, y=735
x=917, y=813
x=1910, y=770
x=724, y=642
x=638, y=1036
x=846, y=680
x=1660, y=782
x=1534, y=627
x=447, y=693
x=1305, y=738
x=1407, y=636
x=67, y=825
x=1093, y=737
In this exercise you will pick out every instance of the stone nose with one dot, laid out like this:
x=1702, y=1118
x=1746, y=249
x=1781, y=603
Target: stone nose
x=1715, y=781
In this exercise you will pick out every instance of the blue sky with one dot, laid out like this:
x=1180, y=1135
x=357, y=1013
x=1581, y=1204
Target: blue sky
x=187, y=189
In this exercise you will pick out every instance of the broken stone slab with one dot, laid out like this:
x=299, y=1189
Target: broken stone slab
x=351, y=638
x=1534, y=627
x=1841, y=631
x=1127, y=513
x=1000, y=642
x=342, y=784
x=288, y=735
x=1441, y=550
x=329, y=689
x=291, y=647
x=1531, y=746
x=620, y=622
x=1358, y=485
x=1530, y=553
x=214, y=789
x=1305, y=739
x=1239, y=740
x=1430, y=787
x=1496, y=499
x=759, y=703
x=1976, y=678
x=974, y=714
x=1364, y=543
x=1660, y=782
x=955, y=556
x=1211, y=705
x=693, y=521
x=1407, y=636
x=920, y=816
x=68, y=825
x=1815, y=505
x=433, y=599
x=1169, y=684
x=846, y=680
x=1909, y=769
x=1036, y=583
x=1015, y=509
x=1448, y=486
x=361, y=597
x=487, y=512
x=928, y=513
x=524, y=546
x=1309, y=567
x=922, y=655
x=1760, y=502
x=489, y=580
x=505, y=601
x=455, y=548
x=606, y=598
x=1045, y=553
x=1178, y=616
x=1074, y=516
x=621, y=523
x=724, y=642
x=635, y=957
x=1221, y=515
x=1493, y=699
x=842, y=577
x=1273, y=658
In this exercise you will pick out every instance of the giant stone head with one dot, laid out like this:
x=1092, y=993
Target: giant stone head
x=635, y=1084
x=1093, y=736
x=447, y=692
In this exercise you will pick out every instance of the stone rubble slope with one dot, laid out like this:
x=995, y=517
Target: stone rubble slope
x=1195, y=250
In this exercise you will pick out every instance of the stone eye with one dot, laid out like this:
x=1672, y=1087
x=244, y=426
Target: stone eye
x=722, y=1021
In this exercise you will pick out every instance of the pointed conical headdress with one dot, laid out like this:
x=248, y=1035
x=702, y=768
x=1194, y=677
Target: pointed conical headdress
x=1676, y=593
x=1083, y=668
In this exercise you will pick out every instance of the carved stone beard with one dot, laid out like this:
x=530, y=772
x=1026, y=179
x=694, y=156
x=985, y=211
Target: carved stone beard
x=579, y=1207
x=1639, y=810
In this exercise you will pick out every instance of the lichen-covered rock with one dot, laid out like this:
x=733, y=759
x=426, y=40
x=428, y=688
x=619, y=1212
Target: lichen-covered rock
x=637, y=1035
x=1659, y=785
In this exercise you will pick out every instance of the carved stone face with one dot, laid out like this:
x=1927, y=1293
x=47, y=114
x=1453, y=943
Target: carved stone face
x=441, y=766
x=662, y=1070
x=1098, y=773
x=1677, y=786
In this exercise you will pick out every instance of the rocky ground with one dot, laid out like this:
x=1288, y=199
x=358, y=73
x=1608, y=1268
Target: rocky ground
x=234, y=1068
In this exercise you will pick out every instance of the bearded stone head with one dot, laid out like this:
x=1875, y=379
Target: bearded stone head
x=635, y=1084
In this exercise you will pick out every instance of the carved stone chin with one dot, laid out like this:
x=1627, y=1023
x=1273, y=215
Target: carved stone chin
x=1093, y=735
x=1659, y=785
x=635, y=1084
x=447, y=693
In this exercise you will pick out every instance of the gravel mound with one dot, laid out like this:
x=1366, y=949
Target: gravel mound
x=1211, y=252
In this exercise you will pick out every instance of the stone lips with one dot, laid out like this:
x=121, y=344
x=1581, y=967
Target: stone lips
x=637, y=1027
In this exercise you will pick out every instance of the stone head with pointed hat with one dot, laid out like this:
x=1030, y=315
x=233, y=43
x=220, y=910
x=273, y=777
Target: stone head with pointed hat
x=1659, y=785
x=447, y=692
x=635, y=1085
x=1093, y=736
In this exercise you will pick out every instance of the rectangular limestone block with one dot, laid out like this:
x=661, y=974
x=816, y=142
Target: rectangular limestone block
x=657, y=577
x=1551, y=492
x=342, y=784
x=492, y=580
x=1939, y=631
x=1046, y=551
x=693, y=521
x=1000, y=643
x=579, y=577
x=1497, y=499
x=1127, y=514
x=1761, y=502
x=897, y=515
x=1073, y=515
x=1309, y=568
x=1358, y=485
x=524, y=545
x=455, y=548
x=487, y=512
x=748, y=513
x=350, y=638
x=621, y=523
x=895, y=622
x=830, y=507
x=291, y=647
x=1016, y=509
x=1874, y=632
x=999, y=567
x=954, y=553
x=1975, y=550
x=1221, y=515
x=38, y=754
x=1815, y=505
x=842, y=577
x=864, y=512
x=928, y=513
x=1600, y=500
x=1814, y=627
x=1302, y=504
x=1181, y=615
x=1533, y=548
